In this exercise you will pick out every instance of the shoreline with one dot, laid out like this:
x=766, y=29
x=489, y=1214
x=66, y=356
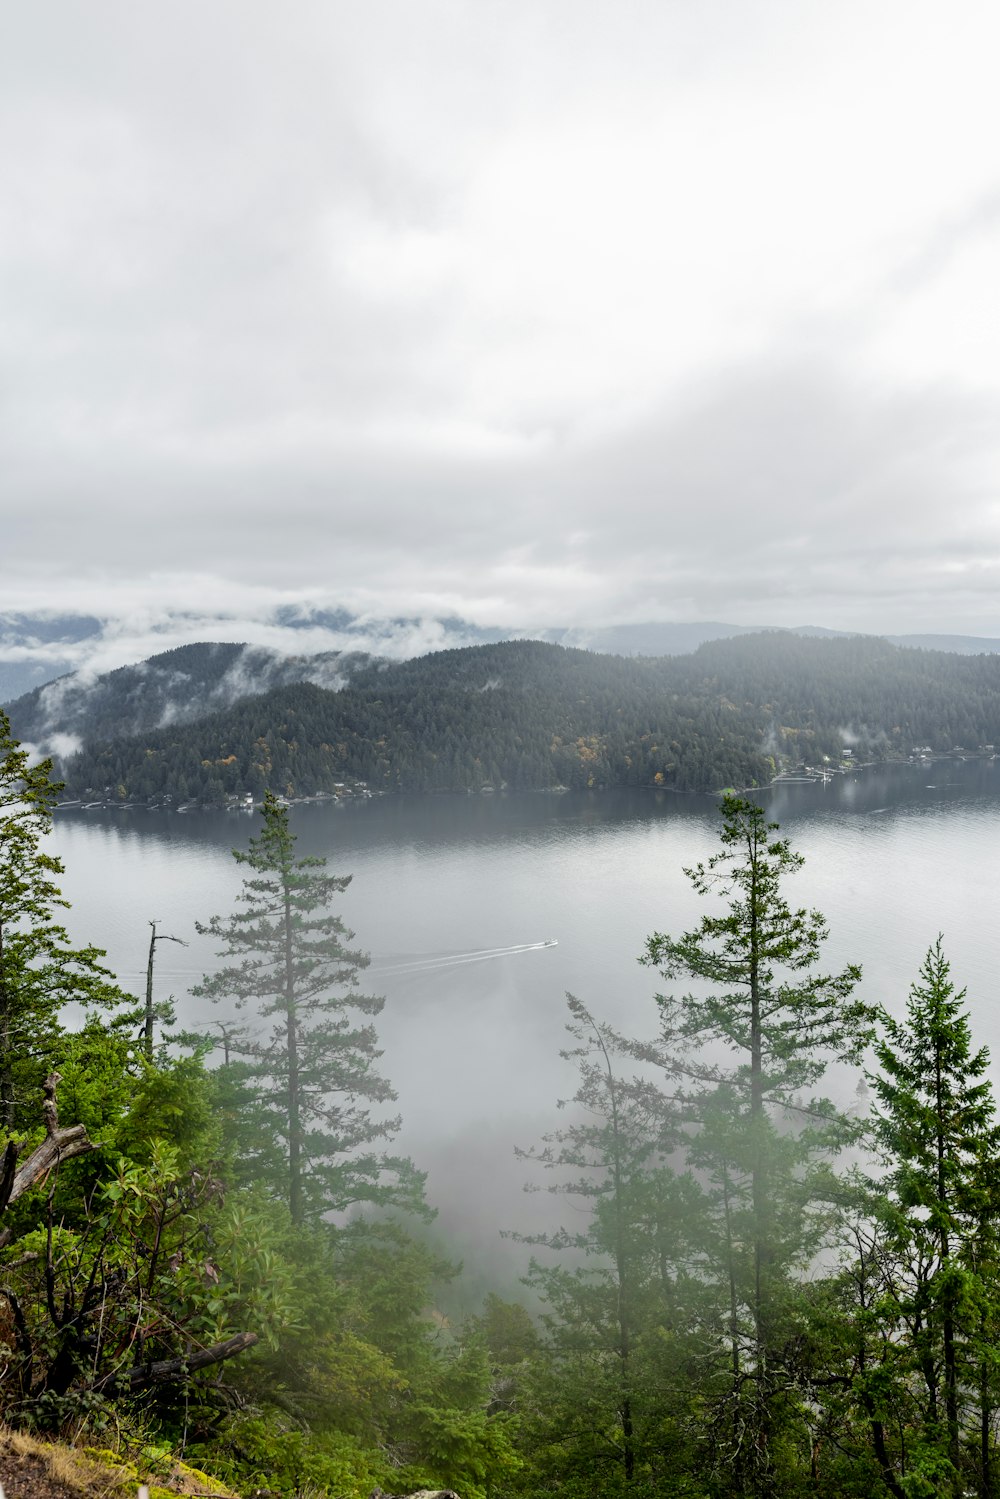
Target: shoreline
x=805, y=776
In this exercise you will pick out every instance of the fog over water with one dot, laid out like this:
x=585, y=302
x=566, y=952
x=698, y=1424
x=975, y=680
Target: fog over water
x=456, y=897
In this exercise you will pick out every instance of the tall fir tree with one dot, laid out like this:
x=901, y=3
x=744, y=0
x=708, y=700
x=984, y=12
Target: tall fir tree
x=311, y=1084
x=742, y=1052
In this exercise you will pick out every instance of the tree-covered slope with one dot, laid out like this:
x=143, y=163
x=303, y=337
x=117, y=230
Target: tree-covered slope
x=176, y=686
x=859, y=689
x=530, y=715
x=525, y=714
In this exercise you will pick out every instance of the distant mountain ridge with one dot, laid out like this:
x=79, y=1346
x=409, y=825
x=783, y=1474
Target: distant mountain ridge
x=679, y=639
x=36, y=648
x=39, y=648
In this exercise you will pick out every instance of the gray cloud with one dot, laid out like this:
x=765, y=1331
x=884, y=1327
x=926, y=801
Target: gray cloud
x=523, y=313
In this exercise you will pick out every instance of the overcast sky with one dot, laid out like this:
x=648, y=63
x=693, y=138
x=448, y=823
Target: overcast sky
x=533, y=312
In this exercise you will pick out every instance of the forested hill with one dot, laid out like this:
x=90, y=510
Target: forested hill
x=530, y=715
x=173, y=687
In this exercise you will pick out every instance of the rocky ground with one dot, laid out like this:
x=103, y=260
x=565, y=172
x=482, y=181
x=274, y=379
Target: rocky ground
x=28, y=1471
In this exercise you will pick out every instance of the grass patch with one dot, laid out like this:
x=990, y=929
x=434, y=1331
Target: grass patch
x=90, y=1473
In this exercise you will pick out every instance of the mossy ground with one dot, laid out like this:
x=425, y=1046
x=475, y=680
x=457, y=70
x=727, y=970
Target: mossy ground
x=31, y=1468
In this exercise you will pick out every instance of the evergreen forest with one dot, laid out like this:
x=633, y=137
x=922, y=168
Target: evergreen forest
x=523, y=715
x=212, y=1249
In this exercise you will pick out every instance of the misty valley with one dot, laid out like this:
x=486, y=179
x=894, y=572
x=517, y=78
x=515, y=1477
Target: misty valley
x=499, y=750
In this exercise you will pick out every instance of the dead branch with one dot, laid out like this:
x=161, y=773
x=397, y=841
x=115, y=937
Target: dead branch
x=169, y=1370
x=60, y=1144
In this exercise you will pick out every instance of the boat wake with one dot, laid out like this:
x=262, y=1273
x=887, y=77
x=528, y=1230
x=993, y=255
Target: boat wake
x=430, y=962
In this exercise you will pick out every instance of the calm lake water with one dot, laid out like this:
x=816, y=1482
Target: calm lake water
x=456, y=897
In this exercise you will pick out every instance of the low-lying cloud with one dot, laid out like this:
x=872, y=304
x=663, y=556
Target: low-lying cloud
x=273, y=629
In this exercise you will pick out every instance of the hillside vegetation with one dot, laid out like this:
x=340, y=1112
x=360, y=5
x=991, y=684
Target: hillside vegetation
x=530, y=716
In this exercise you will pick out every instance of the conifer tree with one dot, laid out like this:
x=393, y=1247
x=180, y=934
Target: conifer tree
x=612, y=1366
x=39, y=970
x=311, y=1083
x=741, y=1053
x=935, y=1131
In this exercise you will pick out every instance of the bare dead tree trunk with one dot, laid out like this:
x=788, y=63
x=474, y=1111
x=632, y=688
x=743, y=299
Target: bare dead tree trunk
x=147, y=1033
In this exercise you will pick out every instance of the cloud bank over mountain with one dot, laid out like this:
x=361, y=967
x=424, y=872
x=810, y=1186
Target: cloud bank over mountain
x=35, y=649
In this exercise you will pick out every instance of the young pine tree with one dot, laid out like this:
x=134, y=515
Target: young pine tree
x=936, y=1134
x=311, y=1085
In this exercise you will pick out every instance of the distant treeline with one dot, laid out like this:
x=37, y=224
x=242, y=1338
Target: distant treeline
x=528, y=716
